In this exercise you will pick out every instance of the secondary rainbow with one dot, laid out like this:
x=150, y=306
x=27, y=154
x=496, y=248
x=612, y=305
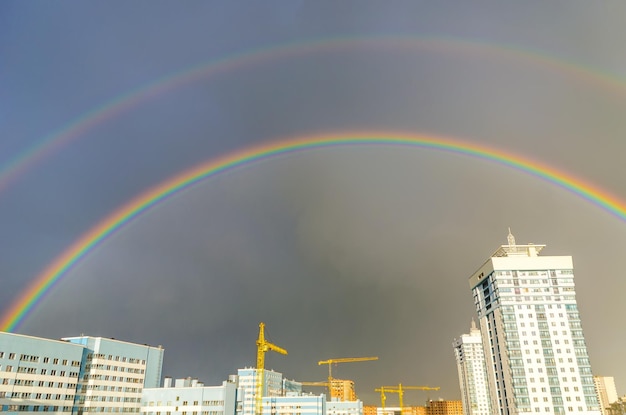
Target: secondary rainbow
x=45, y=281
x=12, y=169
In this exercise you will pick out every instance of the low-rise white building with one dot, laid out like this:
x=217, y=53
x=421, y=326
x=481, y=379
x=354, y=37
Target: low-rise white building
x=190, y=398
x=336, y=407
x=38, y=374
x=75, y=374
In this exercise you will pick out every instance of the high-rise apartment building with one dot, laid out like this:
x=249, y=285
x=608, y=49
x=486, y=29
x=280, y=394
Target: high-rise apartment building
x=607, y=393
x=470, y=362
x=535, y=351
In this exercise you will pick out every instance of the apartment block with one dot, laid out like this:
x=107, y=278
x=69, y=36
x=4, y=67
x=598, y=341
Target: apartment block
x=607, y=393
x=38, y=375
x=115, y=373
x=470, y=361
x=75, y=375
x=443, y=407
x=533, y=342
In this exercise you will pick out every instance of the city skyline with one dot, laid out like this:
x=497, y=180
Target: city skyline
x=343, y=251
x=468, y=351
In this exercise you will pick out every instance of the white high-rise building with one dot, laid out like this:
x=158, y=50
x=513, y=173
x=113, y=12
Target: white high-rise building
x=470, y=361
x=607, y=393
x=535, y=351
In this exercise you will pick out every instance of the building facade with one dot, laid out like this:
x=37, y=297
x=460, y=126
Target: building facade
x=443, y=407
x=607, y=393
x=295, y=405
x=535, y=351
x=190, y=399
x=75, y=375
x=342, y=390
x=285, y=397
x=338, y=407
x=114, y=374
x=470, y=362
x=246, y=380
x=38, y=375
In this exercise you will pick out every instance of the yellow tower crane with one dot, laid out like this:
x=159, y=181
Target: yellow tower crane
x=324, y=384
x=262, y=346
x=399, y=389
x=330, y=363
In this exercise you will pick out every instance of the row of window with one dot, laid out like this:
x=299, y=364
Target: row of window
x=542, y=316
x=517, y=274
x=113, y=368
x=33, y=370
x=112, y=378
x=91, y=356
x=39, y=383
x=566, y=284
x=85, y=388
x=31, y=358
x=517, y=297
x=541, y=307
x=185, y=413
x=38, y=408
x=525, y=290
x=506, y=300
x=97, y=398
x=185, y=403
x=581, y=361
x=28, y=395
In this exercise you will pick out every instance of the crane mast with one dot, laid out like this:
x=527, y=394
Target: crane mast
x=263, y=346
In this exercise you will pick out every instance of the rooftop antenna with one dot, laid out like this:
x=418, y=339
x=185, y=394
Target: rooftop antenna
x=511, y=238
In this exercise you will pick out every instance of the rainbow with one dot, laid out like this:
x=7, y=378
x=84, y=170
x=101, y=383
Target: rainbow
x=12, y=169
x=45, y=281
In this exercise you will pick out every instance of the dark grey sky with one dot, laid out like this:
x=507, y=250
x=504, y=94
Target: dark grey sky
x=342, y=252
